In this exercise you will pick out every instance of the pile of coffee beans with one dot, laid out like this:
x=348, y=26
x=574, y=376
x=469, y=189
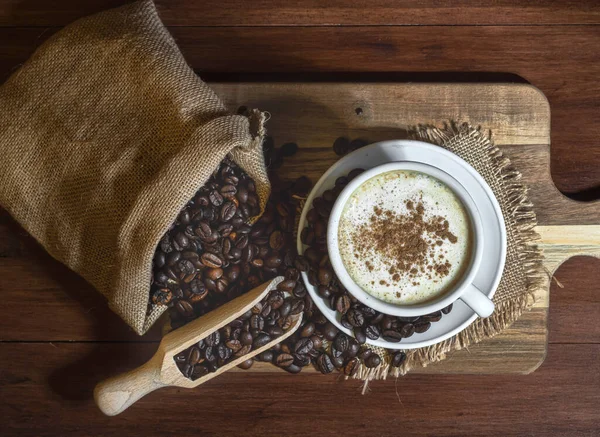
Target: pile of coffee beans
x=211, y=254
x=260, y=325
x=364, y=321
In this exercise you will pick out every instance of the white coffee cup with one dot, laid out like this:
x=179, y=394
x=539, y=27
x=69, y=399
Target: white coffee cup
x=463, y=289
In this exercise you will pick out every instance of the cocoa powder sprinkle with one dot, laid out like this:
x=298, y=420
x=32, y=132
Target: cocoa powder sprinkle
x=404, y=241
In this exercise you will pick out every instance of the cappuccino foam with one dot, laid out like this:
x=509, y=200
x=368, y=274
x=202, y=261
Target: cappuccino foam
x=404, y=237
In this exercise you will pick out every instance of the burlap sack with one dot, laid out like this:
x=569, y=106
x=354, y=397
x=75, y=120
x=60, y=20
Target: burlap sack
x=105, y=134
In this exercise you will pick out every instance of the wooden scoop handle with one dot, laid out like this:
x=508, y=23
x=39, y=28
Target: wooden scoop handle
x=114, y=395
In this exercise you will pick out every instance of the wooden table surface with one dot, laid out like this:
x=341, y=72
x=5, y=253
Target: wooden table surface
x=58, y=338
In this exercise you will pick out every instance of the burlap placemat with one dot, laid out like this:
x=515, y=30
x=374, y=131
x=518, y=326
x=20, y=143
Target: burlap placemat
x=523, y=274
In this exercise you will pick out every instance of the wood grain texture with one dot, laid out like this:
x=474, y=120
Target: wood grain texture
x=562, y=61
x=315, y=12
x=561, y=398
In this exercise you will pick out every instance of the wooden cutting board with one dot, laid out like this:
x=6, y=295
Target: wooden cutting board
x=314, y=114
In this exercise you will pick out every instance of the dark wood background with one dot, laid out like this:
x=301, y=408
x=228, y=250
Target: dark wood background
x=58, y=338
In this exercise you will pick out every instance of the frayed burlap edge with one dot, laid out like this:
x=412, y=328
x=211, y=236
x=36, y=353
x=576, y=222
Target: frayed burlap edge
x=522, y=217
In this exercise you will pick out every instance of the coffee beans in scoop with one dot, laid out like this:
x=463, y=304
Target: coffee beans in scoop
x=253, y=330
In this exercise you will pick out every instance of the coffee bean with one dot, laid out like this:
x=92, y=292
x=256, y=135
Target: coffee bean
x=301, y=186
x=209, y=354
x=172, y=258
x=228, y=191
x=355, y=317
x=211, y=260
x=160, y=259
x=246, y=364
x=301, y=263
x=165, y=244
x=353, y=349
x=223, y=352
x=214, y=274
x=301, y=360
x=215, y=198
x=276, y=240
x=341, y=146
x=365, y=354
x=351, y=367
x=275, y=331
x=447, y=309
x=284, y=360
x=297, y=307
x=377, y=319
x=308, y=330
x=194, y=356
x=360, y=335
x=234, y=345
x=273, y=261
x=325, y=276
x=372, y=332
x=293, y=368
x=341, y=342
x=266, y=310
x=338, y=362
x=286, y=285
x=422, y=327
x=277, y=301
x=303, y=346
x=228, y=210
x=357, y=144
x=433, y=317
x=330, y=331
x=324, y=292
x=261, y=340
x=185, y=309
x=213, y=339
x=324, y=364
x=266, y=356
x=342, y=304
x=386, y=323
x=242, y=242
x=300, y=291
x=393, y=336
x=162, y=296
x=407, y=330
x=289, y=149
x=373, y=361
x=398, y=358
x=257, y=322
x=243, y=351
x=355, y=173
x=246, y=338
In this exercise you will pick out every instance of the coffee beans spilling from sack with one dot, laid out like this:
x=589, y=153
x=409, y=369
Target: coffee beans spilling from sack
x=212, y=254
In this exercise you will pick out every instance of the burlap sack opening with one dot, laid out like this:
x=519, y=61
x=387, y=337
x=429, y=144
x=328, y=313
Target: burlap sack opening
x=106, y=133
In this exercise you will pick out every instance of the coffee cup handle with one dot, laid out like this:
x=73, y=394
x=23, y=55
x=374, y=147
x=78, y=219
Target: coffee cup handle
x=478, y=301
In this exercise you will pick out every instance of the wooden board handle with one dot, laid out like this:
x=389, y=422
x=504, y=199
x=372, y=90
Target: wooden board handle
x=116, y=394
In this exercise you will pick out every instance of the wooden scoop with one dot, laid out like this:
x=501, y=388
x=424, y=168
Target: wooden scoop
x=116, y=394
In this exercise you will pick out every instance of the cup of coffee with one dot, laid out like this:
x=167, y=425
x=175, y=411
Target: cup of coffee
x=406, y=239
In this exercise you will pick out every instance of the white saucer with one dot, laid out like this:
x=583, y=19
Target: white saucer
x=492, y=265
